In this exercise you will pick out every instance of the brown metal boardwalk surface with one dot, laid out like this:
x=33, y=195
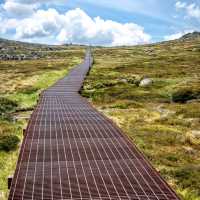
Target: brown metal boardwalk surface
x=71, y=151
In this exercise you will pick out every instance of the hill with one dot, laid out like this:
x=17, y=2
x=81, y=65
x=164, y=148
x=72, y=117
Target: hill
x=153, y=93
x=15, y=50
x=21, y=81
x=191, y=36
x=161, y=117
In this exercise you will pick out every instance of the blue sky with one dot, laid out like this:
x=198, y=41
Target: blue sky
x=103, y=22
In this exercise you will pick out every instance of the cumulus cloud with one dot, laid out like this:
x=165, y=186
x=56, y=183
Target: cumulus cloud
x=24, y=8
x=77, y=27
x=18, y=9
x=192, y=10
x=40, y=24
x=180, y=5
x=177, y=35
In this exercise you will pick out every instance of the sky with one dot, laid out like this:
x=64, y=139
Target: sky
x=98, y=22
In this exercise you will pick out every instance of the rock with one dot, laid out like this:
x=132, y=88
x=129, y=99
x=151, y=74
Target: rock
x=193, y=137
x=189, y=150
x=192, y=122
x=196, y=134
x=123, y=80
x=145, y=82
x=194, y=101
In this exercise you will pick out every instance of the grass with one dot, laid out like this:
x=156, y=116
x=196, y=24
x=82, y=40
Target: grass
x=150, y=116
x=158, y=116
x=20, y=84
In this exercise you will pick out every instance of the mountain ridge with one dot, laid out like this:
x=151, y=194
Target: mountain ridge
x=193, y=35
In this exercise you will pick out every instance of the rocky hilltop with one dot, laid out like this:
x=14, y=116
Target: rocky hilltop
x=194, y=35
x=14, y=50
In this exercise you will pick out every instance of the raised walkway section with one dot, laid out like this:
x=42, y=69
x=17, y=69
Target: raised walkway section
x=71, y=151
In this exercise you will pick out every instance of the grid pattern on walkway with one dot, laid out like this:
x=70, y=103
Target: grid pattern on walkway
x=71, y=151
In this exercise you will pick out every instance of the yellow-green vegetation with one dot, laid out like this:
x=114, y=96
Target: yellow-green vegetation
x=162, y=119
x=20, y=84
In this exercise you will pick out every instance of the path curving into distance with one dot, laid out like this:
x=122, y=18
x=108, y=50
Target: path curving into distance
x=71, y=151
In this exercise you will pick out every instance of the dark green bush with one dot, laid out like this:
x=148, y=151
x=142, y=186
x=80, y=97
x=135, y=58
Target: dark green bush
x=187, y=176
x=131, y=80
x=85, y=93
x=8, y=142
x=172, y=158
x=120, y=106
x=110, y=83
x=7, y=105
x=105, y=84
x=185, y=94
x=28, y=90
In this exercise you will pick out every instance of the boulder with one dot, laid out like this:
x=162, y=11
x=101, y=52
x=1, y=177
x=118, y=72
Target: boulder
x=189, y=150
x=123, y=80
x=193, y=137
x=194, y=101
x=145, y=82
x=196, y=134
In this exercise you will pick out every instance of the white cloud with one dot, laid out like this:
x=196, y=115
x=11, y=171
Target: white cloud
x=192, y=10
x=40, y=24
x=18, y=9
x=180, y=5
x=23, y=8
x=77, y=27
x=177, y=35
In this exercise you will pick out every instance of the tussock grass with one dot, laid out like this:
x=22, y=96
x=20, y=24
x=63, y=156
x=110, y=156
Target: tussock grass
x=148, y=116
x=20, y=85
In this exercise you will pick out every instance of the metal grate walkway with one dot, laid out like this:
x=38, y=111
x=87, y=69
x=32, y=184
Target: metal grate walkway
x=71, y=151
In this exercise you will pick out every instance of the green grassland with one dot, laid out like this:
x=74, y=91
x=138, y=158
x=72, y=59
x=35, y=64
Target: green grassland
x=158, y=118
x=154, y=117
x=20, y=84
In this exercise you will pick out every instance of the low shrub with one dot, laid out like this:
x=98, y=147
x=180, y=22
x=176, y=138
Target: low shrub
x=8, y=142
x=7, y=105
x=188, y=175
x=131, y=80
x=28, y=90
x=172, y=158
x=120, y=106
x=185, y=94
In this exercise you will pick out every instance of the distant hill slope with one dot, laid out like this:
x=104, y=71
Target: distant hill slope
x=15, y=50
x=166, y=132
x=194, y=35
x=5, y=43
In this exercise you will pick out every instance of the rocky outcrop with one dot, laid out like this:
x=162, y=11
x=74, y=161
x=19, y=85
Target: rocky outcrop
x=146, y=82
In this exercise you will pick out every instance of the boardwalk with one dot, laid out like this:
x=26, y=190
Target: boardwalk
x=71, y=151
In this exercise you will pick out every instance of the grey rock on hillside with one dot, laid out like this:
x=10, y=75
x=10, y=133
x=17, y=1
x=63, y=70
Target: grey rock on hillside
x=145, y=82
